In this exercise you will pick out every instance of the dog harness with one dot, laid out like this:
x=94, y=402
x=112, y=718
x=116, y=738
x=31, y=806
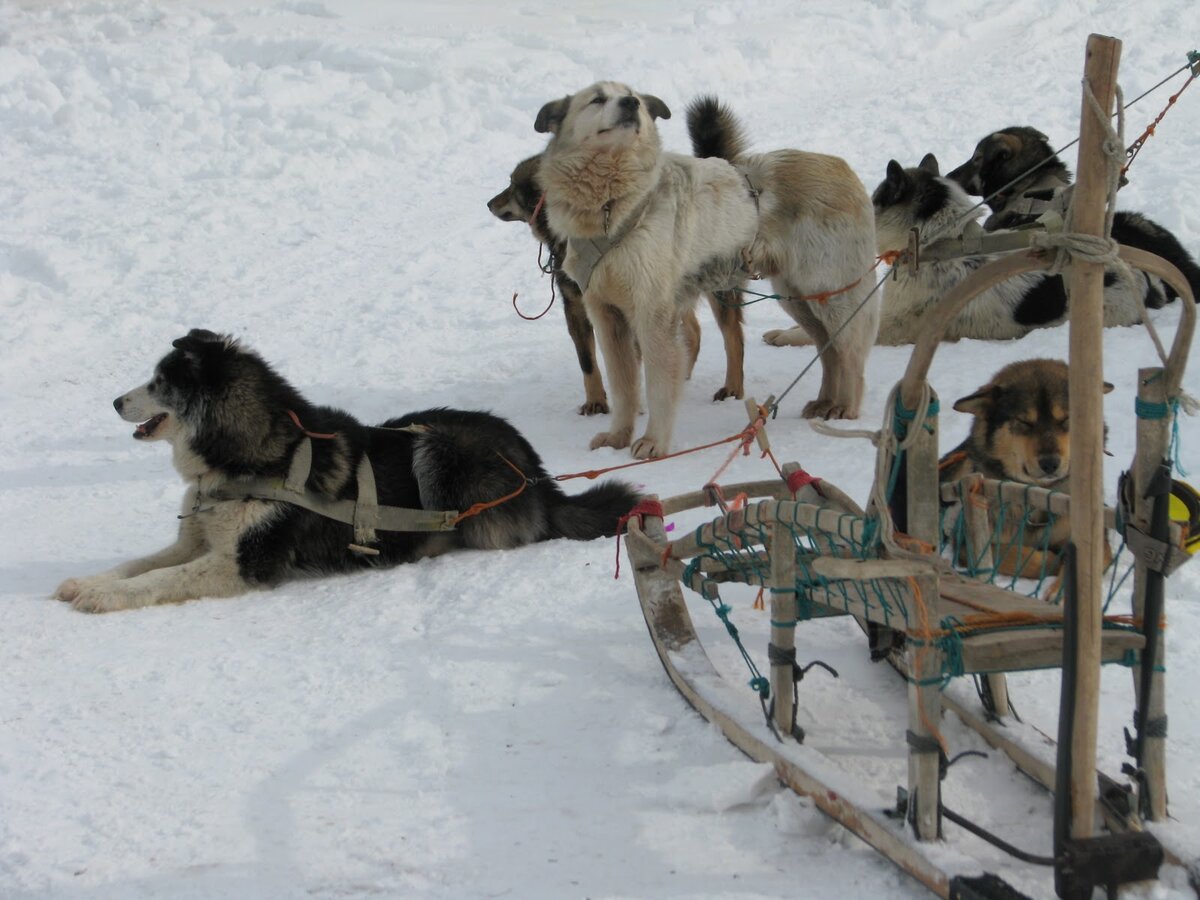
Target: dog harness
x=364, y=514
x=586, y=253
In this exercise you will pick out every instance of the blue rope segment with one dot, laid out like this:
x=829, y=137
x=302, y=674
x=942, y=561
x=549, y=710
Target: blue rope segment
x=902, y=415
x=1148, y=410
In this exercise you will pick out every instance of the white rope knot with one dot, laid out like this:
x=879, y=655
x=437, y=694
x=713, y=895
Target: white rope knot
x=1089, y=248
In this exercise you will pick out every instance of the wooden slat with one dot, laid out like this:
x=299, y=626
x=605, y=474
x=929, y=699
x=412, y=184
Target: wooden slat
x=1035, y=648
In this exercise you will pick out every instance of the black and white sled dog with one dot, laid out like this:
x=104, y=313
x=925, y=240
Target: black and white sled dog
x=1018, y=172
x=235, y=425
x=921, y=197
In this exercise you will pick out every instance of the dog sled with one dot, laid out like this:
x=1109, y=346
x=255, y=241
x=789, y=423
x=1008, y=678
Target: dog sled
x=916, y=568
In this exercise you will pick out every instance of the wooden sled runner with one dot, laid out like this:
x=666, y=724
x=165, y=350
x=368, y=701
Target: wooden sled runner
x=819, y=554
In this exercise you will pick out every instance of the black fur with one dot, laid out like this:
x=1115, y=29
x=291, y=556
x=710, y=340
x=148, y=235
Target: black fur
x=994, y=165
x=920, y=187
x=236, y=411
x=714, y=130
x=1044, y=303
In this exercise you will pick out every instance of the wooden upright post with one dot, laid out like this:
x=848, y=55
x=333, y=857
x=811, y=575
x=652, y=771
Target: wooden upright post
x=1086, y=292
x=783, y=627
x=1153, y=439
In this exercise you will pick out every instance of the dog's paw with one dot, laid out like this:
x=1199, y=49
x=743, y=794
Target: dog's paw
x=827, y=409
x=594, y=408
x=617, y=439
x=647, y=447
x=788, y=337
x=101, y=597
x=726, y=392
x=71, y=588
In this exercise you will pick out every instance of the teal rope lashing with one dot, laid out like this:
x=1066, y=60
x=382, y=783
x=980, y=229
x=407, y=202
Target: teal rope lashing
x=1147, y=410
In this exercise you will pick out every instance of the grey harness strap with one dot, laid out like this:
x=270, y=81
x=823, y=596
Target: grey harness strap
x=388, y=518
x=586, y=253
x=364, y=514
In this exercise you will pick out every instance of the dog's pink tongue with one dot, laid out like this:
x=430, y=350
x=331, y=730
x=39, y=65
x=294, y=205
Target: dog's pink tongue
x=147, y=428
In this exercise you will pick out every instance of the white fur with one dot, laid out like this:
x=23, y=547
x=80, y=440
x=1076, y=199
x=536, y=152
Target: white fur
x=203, y=560
x=599, y=169
x=989, y=316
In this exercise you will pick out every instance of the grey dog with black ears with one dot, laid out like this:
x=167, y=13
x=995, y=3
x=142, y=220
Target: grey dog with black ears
x=234, y=425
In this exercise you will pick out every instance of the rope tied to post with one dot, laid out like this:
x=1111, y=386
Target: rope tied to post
x=1097, y=249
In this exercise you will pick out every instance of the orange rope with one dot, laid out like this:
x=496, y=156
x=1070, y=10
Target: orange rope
x=950, y=459
x=480, y=507
x=888, y=256
x=746, y=437
x=596, y=473
x=312, y=434
x=1136, y=147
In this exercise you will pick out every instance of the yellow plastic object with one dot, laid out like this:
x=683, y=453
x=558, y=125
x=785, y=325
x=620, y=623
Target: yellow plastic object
x=1185, y=510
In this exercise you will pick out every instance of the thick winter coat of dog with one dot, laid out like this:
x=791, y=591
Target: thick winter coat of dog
x=940, y=208
x=1017, y=171
x=1021, y=432
x=648, y=231
x=519, y=202
x=235, y=425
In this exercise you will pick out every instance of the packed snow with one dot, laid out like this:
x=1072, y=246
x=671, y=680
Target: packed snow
x=310, y=176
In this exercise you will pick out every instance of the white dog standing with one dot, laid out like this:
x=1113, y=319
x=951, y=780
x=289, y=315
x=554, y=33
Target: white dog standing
x=648, y=231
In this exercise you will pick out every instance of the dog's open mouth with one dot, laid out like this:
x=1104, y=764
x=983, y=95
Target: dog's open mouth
x=147, y=428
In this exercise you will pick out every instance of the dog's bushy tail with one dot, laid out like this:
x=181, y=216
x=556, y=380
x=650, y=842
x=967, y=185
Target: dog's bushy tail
x=1136, y=230
x=715, y=130
x=592, y=514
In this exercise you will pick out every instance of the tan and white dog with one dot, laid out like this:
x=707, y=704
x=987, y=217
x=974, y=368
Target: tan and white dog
x=648, y=231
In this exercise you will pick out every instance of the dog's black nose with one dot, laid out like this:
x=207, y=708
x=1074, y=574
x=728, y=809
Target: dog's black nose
x=1049, y=463
x=630, y=103
x=118, y=403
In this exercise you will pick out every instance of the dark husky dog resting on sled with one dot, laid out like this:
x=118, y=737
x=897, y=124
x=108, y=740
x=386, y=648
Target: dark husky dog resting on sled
x=235, y=425
x=1021, y=432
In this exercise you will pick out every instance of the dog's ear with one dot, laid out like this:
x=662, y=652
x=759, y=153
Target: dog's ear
x=656, y=108
x=1108, y=388
x=197, y=339
x=551, y=115
x=1002, y=147
x=978, y=403
x=895, y=172
x=929, y=164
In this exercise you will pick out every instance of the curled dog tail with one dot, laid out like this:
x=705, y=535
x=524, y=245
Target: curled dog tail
x=1136, y=230
x=592, y=514
x=715, y=130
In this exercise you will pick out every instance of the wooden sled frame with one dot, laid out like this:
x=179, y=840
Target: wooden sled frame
x=659, y=566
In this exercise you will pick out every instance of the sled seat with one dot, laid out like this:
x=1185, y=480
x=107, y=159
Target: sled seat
x=982, y=627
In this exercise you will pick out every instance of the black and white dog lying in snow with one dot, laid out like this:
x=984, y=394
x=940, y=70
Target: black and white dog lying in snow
x=1010, y=165
x=234, y=424
x=1011, y=309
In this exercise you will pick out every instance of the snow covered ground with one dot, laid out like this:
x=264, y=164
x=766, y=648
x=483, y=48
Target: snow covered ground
x=311, y=175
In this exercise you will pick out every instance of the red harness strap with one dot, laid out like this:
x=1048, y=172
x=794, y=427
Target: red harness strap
x=799, y=479
x=640, y=510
